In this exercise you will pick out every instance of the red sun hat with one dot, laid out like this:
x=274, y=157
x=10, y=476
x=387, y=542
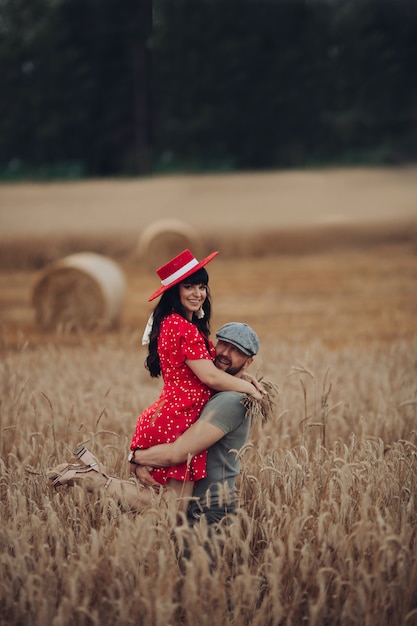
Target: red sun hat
x=178, y=269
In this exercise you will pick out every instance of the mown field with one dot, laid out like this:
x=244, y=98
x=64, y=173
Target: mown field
x=327, y=525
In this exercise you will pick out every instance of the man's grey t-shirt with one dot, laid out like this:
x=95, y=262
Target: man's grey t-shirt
x=226, y=411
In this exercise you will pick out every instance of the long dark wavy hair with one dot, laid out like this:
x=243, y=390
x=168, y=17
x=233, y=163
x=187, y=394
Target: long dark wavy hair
x=170, y=302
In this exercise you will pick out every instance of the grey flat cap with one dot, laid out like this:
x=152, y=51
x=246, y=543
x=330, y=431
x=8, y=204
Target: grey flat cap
x=240, y=335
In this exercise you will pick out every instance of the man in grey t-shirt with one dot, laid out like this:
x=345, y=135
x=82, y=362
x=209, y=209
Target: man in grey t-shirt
x=217, y=492
x=222, y=428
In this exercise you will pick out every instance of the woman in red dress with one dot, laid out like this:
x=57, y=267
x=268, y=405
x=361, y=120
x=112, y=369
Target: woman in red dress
x=181, y=352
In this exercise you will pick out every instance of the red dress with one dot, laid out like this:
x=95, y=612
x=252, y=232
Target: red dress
x=182, y=398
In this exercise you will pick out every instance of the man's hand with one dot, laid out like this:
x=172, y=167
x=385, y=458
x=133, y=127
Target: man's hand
x=142, y=473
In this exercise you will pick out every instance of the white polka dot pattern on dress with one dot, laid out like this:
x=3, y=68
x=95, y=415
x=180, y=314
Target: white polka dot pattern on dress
x=182, y=398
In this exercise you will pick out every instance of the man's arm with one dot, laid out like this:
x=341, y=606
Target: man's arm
x=222, y=413
x=200, y=436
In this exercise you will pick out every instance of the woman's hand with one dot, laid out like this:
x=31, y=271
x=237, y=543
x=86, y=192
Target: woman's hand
x=257, y=394
x=251, y=379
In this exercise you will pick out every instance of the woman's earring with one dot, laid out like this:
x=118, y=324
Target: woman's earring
x=200, y=313
x=147, y=332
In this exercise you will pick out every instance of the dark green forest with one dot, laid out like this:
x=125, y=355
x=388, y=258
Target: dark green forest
x=96, y=88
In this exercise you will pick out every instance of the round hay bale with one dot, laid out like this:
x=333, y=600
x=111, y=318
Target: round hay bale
x=164, y=239
x=83, y=291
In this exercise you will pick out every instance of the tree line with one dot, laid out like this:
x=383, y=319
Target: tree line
x=110, y=88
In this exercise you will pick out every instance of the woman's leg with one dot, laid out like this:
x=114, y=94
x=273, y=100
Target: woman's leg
x=128, y=492
x=181, y=490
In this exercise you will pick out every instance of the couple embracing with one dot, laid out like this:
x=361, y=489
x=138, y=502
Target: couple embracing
x=185, y=443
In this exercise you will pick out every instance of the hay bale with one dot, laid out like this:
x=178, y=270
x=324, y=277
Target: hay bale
x=83, y=291
x=164, y=239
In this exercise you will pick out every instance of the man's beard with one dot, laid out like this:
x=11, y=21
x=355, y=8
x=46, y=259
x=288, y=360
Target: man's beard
x=231, y=370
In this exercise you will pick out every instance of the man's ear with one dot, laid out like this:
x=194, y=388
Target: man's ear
x=248, y=362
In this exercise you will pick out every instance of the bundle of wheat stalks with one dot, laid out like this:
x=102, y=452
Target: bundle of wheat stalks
x=326, y=532
x=262, y=410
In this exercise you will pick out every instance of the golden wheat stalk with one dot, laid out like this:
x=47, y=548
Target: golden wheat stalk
x=263, y=410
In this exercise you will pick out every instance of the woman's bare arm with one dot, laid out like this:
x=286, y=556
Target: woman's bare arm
x=215, y=378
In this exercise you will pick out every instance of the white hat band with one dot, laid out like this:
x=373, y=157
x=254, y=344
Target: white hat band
x=179, y=273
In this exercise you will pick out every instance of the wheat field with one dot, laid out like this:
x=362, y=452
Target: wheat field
x=326, y=532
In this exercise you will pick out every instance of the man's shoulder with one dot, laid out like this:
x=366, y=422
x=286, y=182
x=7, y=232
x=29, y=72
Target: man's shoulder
x=226, y=398
x=225, y=410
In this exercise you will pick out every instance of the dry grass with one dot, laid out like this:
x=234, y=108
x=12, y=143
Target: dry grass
x=327, y=530
x=357, y=296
